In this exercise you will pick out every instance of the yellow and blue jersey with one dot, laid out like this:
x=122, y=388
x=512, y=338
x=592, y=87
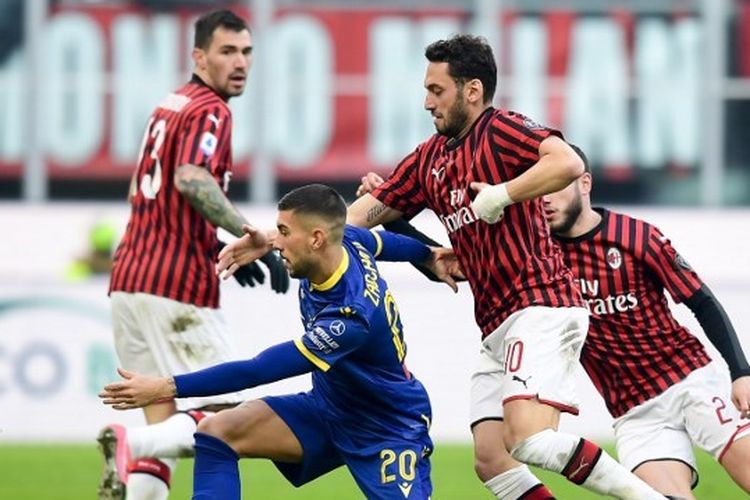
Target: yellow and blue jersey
x=354, y=336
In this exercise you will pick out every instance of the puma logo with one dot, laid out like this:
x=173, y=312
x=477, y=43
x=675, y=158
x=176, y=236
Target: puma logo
x=581, y=466
x=516, y=378
x=216, y=120
x=438, y=172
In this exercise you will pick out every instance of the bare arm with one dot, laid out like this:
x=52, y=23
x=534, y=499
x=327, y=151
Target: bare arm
x=206, y=196
x=368, y=211
x=557, y=167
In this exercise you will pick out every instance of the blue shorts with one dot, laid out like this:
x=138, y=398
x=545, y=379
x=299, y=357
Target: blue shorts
x=397, y=471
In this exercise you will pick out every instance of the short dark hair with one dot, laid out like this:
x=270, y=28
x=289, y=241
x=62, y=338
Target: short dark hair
x=316, y=199
x=207, y=24
x=468, y=57
x=579, y=152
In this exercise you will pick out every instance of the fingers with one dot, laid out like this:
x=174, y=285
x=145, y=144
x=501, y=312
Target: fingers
x=125, y=373
x=451, y=283
x=742, y=402
x=478, y=186
x=368, y=183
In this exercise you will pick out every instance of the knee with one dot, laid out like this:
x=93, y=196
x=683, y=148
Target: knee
x=222, y=425
x=213, y=426
x=492, y=460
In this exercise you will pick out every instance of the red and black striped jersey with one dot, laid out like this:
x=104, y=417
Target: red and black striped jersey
x=168, y=248
x=635, y=349
x=509, y=265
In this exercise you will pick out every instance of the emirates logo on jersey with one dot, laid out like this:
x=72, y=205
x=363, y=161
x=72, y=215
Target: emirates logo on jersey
x=614, y=258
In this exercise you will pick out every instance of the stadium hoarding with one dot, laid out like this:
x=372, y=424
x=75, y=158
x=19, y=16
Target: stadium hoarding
x=347, y=89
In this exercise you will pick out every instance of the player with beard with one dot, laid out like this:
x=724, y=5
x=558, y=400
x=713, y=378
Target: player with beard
x=655, y=377
x=530, y=312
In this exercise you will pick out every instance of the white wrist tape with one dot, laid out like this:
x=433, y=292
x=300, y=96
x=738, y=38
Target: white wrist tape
x=490, y=202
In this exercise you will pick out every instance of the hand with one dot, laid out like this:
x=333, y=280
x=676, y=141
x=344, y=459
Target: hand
x=490, y=201
x=248, y=274
x=443, y=263
x=277, y=271
x=741, y=395
x=368, y=183
x=253, y=245
x=137, y=391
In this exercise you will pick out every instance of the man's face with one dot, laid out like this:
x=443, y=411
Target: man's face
x=227, y=61
x=563, y=208
x=294, y=243
x=445, y=100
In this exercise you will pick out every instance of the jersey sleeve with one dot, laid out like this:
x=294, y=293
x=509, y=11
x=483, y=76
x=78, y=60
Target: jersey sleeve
x=670, y=267
x=206, y=138
x=367, y=238
x=335, y=333
x=517, y=138
x=403, y=189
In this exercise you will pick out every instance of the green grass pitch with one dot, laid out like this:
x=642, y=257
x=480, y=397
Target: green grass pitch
x=71, y=472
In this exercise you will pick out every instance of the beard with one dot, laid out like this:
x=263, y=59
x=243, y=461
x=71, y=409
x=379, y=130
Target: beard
x=569, y=215
x=455, y=119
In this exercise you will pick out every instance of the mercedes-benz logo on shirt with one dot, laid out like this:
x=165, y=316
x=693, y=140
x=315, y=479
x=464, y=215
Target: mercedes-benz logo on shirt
x=337, y=327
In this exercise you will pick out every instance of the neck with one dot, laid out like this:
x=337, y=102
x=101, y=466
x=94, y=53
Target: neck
x=587, y=221
x=329, y=263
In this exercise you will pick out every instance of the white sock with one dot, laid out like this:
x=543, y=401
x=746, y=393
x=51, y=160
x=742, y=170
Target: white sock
x=514, y=483
x=172, y=438
x=582, y=462
x=151, y=485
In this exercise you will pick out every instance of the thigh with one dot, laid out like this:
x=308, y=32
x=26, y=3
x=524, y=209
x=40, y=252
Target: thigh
x=182, y=338
x=304, y=421
x=486, y=398
x=539, y=355
x=131, y=345
x=669, y=477
x=711, y=418
x=398, y=470
x=652, y=433
x=254, y=430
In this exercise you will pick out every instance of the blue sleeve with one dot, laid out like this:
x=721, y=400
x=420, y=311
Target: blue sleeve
x=275, y=363
x=388, y=246
x=335, y=333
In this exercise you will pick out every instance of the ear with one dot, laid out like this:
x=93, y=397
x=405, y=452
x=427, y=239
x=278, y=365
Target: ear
x=585, y=183
x=474, y=91
x=318, y=238
x=199, y=58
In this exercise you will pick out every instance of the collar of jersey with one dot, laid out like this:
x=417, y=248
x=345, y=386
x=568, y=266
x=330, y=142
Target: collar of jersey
x=335, y=277
x=454, y=143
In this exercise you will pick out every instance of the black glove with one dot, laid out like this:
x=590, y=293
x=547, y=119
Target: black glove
x=248, y=274
x=277, y=271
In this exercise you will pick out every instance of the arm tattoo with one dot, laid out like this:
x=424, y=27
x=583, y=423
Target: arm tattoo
x=205, y=195
x=375, y=211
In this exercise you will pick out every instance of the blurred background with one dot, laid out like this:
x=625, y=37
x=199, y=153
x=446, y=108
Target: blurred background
x=657, y=92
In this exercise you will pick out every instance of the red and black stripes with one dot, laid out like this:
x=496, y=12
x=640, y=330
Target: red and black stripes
x=169, y=248
x=510, y=265
x=635, y=349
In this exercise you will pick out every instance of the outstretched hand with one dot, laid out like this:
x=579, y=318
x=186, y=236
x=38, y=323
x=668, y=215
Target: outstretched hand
x=741, y=395
x=254, y=244
x=137, y=391
x=443, y=263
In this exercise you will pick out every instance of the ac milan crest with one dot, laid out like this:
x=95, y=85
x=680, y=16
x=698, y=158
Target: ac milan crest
x=614, y=258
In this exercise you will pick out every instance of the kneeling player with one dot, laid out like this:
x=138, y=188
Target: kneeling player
x=365, y=410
